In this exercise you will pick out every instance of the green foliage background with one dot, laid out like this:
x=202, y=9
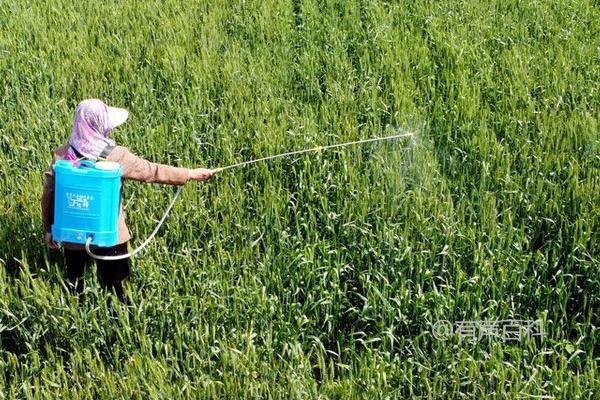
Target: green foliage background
x=321, y=276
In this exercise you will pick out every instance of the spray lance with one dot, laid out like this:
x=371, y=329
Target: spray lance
x=75, y=200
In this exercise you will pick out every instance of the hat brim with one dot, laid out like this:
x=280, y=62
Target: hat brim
x=116, y=116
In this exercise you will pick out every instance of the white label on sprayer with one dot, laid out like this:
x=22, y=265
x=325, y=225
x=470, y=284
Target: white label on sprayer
x=81, y=201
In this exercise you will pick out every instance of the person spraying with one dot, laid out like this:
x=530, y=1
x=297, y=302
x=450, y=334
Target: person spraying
x=91, y=140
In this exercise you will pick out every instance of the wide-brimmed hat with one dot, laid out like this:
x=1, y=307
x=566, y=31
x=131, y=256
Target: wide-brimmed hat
x=116, y=116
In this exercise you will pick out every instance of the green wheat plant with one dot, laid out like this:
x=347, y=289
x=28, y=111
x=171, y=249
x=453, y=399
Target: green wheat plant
x=319, y=276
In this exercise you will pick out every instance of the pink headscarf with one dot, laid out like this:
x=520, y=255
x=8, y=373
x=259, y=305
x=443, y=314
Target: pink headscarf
x=92, y=126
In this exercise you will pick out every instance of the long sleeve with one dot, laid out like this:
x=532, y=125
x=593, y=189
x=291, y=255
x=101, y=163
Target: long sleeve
x=139, y=169
x=48, y=200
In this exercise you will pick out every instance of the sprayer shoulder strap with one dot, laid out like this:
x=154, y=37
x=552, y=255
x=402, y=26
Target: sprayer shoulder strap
x=105, y=152
x=77, y=153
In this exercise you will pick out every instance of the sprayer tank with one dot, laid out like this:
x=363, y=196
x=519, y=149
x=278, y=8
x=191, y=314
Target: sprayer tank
x=86, y=202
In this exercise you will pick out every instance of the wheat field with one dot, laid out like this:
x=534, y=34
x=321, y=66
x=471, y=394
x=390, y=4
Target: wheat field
x=319, y=276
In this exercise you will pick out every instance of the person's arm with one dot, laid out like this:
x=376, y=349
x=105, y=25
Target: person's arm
x=139, y=169
x=48, y=206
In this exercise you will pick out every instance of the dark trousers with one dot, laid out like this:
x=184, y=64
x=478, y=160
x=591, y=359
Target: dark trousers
x=110, y=273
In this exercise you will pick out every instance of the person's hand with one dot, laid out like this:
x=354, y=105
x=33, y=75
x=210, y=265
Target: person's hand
x=200, y=174
x=51, y=243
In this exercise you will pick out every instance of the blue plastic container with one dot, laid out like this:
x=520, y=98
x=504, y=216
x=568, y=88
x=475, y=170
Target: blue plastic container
x=86, y=202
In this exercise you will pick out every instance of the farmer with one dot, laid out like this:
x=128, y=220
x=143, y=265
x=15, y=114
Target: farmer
x=90, y=139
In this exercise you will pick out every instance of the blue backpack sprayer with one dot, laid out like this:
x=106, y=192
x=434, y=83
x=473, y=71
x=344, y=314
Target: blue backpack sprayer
x=88, y=194
x=86, y=202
